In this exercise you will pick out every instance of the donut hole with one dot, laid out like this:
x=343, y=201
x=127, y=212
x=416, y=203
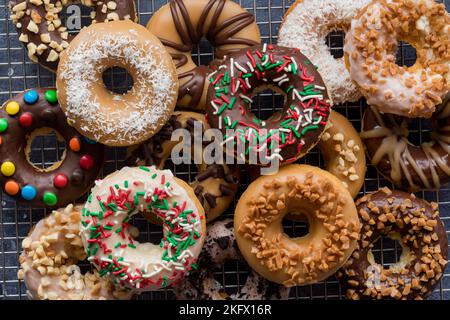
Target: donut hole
x=203, y=53
x=45, y=149
x=117, y=80
x=75, y=16
x=406, y=55
x=335, y=43
x=387, y=252
x=296, y=225
x=267, y=101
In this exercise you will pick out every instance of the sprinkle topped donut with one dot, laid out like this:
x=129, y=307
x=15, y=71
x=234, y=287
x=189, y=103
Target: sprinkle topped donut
x=306, y=25
x=106, y=228
x=370, y=49
x=115, y=119
x=295, y=129
x=33, y=113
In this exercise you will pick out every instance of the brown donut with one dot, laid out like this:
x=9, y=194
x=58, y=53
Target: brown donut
x=409, y=167
x=41, y=30
x=296, y=189
x=215, y=184
x=416, y=225
x=181, y=24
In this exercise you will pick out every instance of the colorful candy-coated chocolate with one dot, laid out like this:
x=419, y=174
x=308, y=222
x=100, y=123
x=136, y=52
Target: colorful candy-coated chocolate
x=1, y=141
x=86, y=162
x=26, y=119
x=12, y=108
x=51, y=97
x=74, y=144
x=90, y=141
x=31, y=97
x=50, y=198
x=8, y=168
x=28, y=192
x=12, y=188
x=3, y=124
x=60, y=181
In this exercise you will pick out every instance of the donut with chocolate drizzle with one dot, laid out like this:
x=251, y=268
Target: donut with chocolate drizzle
x=409, y=167
x=181, y=24
x=416, y=225
x=215, y=185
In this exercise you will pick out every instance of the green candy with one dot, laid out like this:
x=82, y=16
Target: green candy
x=50, y=198
x=3, y=124
x=51, y=97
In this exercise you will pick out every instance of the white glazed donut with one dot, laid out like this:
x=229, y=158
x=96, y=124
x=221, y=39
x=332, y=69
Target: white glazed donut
x=306, y=25
x=106, y=230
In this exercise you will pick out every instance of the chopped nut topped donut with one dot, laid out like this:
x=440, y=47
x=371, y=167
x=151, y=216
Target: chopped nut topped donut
x=48, y=263
x=416, y=225
x=370, y=49
x=304, y=190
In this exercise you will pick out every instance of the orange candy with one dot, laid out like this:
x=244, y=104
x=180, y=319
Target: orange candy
x=12, y=188
x=74, y=144
x=1, y=140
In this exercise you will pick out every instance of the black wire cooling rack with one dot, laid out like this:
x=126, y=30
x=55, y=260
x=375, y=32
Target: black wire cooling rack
x=17, y=73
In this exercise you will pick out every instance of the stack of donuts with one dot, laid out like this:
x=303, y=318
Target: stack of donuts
x=173, y=94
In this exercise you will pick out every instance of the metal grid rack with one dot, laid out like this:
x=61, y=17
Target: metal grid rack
x=17, y=73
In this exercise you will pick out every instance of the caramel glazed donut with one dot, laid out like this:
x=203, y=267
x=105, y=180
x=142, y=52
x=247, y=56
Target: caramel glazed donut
x=181, y=24
x=416, y=225
x=370, y=49
x=215, y=184
x=295, y=129
x=220, y=245
x=106, y=229
x=306, y=24
x=408, y=166
x=48, y=263
x=41, y=30
x=33, y=113
x=97, y=113
x=296, y=189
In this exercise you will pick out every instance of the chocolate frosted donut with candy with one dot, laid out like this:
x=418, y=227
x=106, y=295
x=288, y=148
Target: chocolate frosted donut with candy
x=181, y=24
x=288, y=134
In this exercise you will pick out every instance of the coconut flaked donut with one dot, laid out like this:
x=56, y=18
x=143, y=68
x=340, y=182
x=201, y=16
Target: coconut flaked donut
x=305, y=26
x=116, y=119
x=370, y=50
x=416, y=225
x=301, y=190
x=48, y=263
x=220, y=245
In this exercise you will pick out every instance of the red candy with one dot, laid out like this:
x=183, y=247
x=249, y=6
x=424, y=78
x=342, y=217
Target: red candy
x=60, y=181
x=86, y=162
x=26, y=119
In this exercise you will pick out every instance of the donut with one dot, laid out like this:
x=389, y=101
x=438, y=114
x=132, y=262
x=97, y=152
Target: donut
x=409, y=167
x=44, y=33
x=370, y=52
x=303, y=190
x=416, y=225
x=343, y=152
x=48, y=263
x=220, y=245
x=215, y=184
x=305, y=26
x=181, y=24
x=116, y=119
x=296, y=129
x=105, y=230
x=33, y=113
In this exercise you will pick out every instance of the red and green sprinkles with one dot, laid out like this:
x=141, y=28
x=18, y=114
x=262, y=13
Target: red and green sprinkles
x=180, y=232
x=233, y=84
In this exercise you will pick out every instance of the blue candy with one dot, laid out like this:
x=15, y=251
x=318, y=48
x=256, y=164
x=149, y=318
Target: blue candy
x=31, y=97
x=28, y=192
x=90, y=141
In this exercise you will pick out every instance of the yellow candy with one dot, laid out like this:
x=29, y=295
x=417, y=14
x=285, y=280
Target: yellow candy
x=12, y=108
x=8, y=168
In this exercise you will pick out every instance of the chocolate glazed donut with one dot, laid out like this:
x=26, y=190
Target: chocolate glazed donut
x=409, y=167
x=215, y=185
x=40, y=28
x=181, y=24
x=21, y=119
x=416, y=225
